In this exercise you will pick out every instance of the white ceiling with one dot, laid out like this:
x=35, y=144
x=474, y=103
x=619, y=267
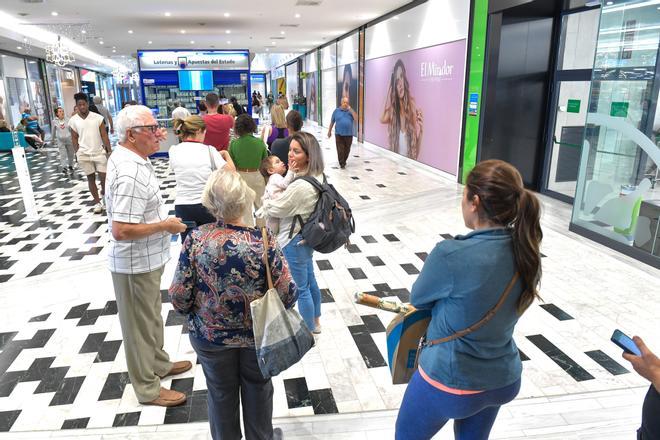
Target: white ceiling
x=252, y=24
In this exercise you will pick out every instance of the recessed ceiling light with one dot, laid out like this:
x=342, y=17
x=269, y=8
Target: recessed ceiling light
x=226, y=14
x=274, y=43
x=409, y=35
x=54, y=14
x=228, y=42
x=19, y=47
x=228, y=31
x=130, y=31
x=168, y=14
x=101, y=42
x=192, y=41
x=282, y=32
x=267, y=50
x=114, y=51
x=297, y=15
x=183, y=31
x=149, y=42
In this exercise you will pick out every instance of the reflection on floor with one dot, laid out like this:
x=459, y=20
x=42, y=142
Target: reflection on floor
x=62, y=365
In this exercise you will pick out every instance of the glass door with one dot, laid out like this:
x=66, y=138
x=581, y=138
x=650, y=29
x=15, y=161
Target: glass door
x=570, y=101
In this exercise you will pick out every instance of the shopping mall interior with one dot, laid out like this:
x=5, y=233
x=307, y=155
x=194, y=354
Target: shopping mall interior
x=437, y=91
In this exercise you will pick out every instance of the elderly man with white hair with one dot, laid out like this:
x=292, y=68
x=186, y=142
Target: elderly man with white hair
x=139, y=248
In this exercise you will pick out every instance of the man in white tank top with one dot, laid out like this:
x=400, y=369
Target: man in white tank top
x=92, y=146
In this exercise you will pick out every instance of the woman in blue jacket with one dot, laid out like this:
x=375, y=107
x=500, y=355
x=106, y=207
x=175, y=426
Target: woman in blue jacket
x=467, y=379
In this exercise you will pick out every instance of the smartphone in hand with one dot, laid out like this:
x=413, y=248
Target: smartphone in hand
x=623, y=341
x=189, y=225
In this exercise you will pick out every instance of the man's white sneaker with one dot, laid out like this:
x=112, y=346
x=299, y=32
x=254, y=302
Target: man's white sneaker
x=98, y=208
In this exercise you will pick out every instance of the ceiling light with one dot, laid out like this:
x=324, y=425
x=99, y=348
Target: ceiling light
x=228, y=42
x=101, y=42
x=114, y=51
x=609, y=3
x=130, y=31
x=168, y=14
x=297, y=15
x=228, y=31
x=183, y=31
x=54, y=14
x=266, y=50
x=226, y=14
x=192, y=41
x=282, y=32
x=19, y=47
x=149, y=42
x=274, y=43
x=409, y=35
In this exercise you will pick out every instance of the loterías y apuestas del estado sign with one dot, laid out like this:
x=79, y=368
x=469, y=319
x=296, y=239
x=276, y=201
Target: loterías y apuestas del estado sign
x=193, y=60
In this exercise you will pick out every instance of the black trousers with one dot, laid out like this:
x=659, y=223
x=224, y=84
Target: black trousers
x=650, y=428
x=232, y=373
x=343, y=148
x=193, y=213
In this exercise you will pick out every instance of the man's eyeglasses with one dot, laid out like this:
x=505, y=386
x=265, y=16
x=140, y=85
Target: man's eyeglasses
x=151, y=128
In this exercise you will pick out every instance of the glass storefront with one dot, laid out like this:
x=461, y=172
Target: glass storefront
x=617, y=197
x=38, y=94
x=62, y=85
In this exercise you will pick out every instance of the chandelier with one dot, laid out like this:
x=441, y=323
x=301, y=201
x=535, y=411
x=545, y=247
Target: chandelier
x=59, y=54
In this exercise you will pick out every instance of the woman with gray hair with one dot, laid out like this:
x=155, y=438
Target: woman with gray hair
x=299, y=199
x=221, y=271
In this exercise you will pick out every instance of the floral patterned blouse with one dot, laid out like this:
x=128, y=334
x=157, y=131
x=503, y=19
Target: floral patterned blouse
x=220, y=271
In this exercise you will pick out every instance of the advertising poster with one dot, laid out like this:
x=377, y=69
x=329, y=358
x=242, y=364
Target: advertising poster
x=414, y=103
x=347, y=87
x=312, y=95
x=281, y=86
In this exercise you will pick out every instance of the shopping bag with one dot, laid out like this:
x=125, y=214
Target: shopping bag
x=281, y=337
x=403, y=336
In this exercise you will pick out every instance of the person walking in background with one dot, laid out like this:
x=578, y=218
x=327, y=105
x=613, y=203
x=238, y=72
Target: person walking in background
x=344, y=116
x=180, y=112
x=277, y=129
x=247, y=153
x=648, y=366
x=283, y=102
x=237, y=107
x=218, y=125
x=139, y=248
x=461, y=281
x=193, y=162
x=91, y=144
x=103, y=111
x=62, y=137
x=280, y=146
x=299, y=199
x=215, y=294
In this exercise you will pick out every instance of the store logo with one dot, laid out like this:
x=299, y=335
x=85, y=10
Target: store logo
x=183, y=62
x=433, y=70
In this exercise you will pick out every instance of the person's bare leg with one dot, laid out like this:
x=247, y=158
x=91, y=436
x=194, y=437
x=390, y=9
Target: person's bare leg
x=102, y=177
x=91, y=183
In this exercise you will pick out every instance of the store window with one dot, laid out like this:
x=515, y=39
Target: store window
x=617, y=196
x=292, y=82
x=328, y=82
x=18, y=98
x=38, y=94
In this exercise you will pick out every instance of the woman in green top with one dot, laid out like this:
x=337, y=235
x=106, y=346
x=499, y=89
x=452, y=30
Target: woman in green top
x=247, y=152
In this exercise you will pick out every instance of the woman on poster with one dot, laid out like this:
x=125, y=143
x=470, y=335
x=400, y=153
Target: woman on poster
x=404, y=119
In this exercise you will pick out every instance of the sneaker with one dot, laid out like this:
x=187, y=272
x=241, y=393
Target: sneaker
x=317, y=330
x=98, y=208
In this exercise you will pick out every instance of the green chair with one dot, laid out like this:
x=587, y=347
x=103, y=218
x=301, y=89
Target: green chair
x=630, y=230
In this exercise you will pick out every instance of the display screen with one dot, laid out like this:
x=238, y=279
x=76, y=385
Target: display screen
x=195, y=80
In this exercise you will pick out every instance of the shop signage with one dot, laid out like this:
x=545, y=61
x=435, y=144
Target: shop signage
x=473, y=104
x=619, y=109
x=573, y=106
x=191, y=60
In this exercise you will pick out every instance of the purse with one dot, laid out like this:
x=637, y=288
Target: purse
x=406, y=337
x=281, y=337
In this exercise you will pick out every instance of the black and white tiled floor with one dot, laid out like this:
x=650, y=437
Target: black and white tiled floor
x=62, y=364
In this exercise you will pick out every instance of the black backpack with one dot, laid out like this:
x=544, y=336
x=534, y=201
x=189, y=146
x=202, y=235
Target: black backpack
x=331, y=223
